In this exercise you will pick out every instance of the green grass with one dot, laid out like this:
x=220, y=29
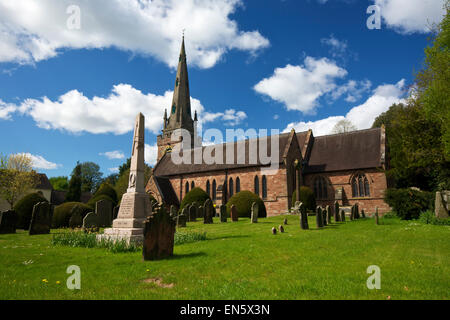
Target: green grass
x=242, y=261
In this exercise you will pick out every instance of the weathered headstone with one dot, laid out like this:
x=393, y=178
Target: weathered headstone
x=193, y=213
x=76, y=217
x=90, y=222
x=319, y=217
x=223, y=213
x=173, y=211
x=104, y=212
x=337, y=217
x=8, y=222
x=200, y=214
x=285, y=221
x=342, y=215
x=352, y=213
x=376, y=216
x=356, y=216
x=303, y=217
x=441, y=204
x=209, y=212
x=328, y=210
x=281, y=228
x=234, y=213
x=324, y=217
x=255, y=211
x=41, y=219
x=274, y=231
x=182, y=218
x=159, y=235
x=363, y=214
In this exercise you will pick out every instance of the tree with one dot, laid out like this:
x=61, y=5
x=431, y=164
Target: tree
x=60, y=183
x=74, y=192
x=91, y=177
x=17, y=177
x=344, y=126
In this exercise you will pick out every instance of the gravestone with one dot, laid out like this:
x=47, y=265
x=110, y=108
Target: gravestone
x=200, y=212
x=8, y=222
x=296, y=209
x=319, y=217
x=182, y=218
x=377, y=222
x=76, y=217
x=336, y=212
x=103, y=210
x=363, y=214
x=356, y=216
x=328, y=210
x=274, y=231
x=159, y=235
x=324, y=217
x=254, y=216
x=285, y=221
x=234, y=213
x=90, y=222
x=352, y=213
x=209, y=212
x=193, y=213
x=223, y=213
x=173, y=211
x=41, y=219
x=303, y=217
x=281, y=228
x=342, y=215
x=442, y=204
x=116, y=212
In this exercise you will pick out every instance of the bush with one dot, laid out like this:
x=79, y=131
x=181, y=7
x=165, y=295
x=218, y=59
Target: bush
x=428, y=217
x=62, y=214
x=24, y=209
x=196, y=195
x=243, y=201
x=306, y=197
x=106, y=189
x=93, y=200
x=409, y=203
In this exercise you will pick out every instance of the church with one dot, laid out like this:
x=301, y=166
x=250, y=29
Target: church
x=348, y=167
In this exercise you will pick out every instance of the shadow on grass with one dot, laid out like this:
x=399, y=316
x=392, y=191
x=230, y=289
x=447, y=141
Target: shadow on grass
x=187, y=255
x=227, y=237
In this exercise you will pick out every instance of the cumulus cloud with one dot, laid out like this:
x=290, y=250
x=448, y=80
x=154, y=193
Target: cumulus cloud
x=230, y=117
x=31, y=31
x=300, y=87
x=352, y=90
x=114, y=170
x=6, y=110
x=151, y=153
x=410, y=16
x=40, y=162
x=111, y=155
x=361, y=116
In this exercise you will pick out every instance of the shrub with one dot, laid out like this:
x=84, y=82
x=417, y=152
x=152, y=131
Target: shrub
x=108, y=190
x=306, y=197
x=24, y=209
x=243, y=201
x=62, y=213
x=409, y=203
x=428, y=217
x=93, y=200
x=196, y=195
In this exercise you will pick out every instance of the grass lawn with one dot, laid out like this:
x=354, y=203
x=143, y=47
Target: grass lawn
x=243, y=261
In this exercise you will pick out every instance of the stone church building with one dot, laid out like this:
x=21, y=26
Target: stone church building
x=348, y=167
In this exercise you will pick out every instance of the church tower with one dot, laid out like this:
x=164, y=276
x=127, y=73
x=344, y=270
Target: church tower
x=180, y=111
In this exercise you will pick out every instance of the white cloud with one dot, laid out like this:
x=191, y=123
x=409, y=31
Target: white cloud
x=32, y=31
x=114, y=170
x=151, y=154
x=116, y=154
x=300, y=87
x=353, y=90
x=6, y=109
x=40, y=162
x=409, y=16
x=230, y=117
x=361, y=116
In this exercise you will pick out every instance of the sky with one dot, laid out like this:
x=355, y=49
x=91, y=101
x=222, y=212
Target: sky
x=75, y=73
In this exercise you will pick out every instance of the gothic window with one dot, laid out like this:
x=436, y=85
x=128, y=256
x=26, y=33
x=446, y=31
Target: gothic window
x=320, y=188
x=256, y=185
x=264, y=187
x=238, y=185
x=360, y=186
x=214, y=190
x=208, y=187
x=192, y=185
x=187, y=187
x=231, y=187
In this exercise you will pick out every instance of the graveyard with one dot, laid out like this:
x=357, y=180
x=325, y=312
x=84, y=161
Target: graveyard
x=242, y=260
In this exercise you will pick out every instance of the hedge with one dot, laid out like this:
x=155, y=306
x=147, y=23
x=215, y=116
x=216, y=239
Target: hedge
x=196, y=195
x=91, y=203
x=243, y=201
x=409, y=203
x=108, y=190
x=306, y=197
x=61, y=214
x=24, y=209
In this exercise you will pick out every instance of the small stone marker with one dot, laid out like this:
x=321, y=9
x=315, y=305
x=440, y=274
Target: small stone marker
x=274, y=231
x=328, y=210
x=209, y=212
x=193, y=213
x=223, y=213
x=285, y=221
x=234, y=213
x=337, y=217
x=319, y=217
x=303, y=217
x=281, y=228
x=159, y=235
x=103, y=209
x=8, y=222
x=255, y=210
x=182, y=218
x=90, y=221
x=377, y=222
x=41, y=219
x=76, y=217
x=342, y=215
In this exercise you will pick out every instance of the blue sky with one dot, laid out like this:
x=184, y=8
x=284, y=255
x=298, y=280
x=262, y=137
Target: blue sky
x=71, y=94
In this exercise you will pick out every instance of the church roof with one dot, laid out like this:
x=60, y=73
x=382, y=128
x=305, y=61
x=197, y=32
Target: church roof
x=346, y=151
x=166, y=191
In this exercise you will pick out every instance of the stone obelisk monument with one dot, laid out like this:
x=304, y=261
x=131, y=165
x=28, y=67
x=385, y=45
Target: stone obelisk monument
x=135, y=206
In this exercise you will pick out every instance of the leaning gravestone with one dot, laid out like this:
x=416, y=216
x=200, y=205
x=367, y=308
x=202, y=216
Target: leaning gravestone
x=223, y=213
x=342, y=215
x=192, y=213
x=103, y=209
x=254, y=212
x=90, y=222
x=303, y=217
x=209, y=212
x=159, y=235
x=182, y=218
x=41, y=219
x=76, y=217
x=319, y=217
x=324, y=217
x=8, y=222
x=234, y=213
x=328, y=210
x=336, y=212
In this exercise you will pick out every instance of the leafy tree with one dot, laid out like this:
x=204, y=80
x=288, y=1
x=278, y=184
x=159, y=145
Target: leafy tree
x=60, y=183
x=124, y=167
x=111, y=179
x=17, y=177
x=74, y=192
x=122, y=181
x=91, y=177
x=344, y=126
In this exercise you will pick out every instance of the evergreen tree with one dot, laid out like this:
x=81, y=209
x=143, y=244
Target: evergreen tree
x=74, y=193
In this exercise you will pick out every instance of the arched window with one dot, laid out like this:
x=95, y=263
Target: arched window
x=238, y=185
x=360, y=186
x=231, y=187
x=208, y=188
x=214, y=190
x=256, y=185
x=192, y=185
x=320, y=188
x=187, y=187
x=264, y=187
